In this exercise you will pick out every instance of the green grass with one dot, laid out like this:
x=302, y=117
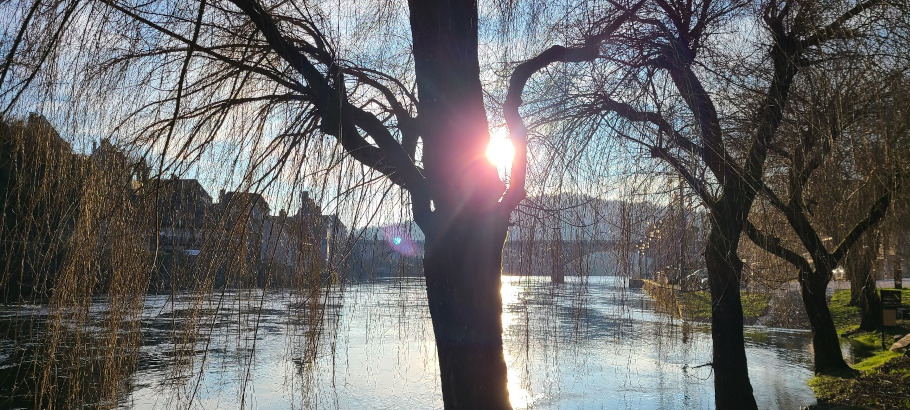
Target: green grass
x=845, y=317
x=884, y=387
x=876, y=361
x=884, y=380
x=697, y=305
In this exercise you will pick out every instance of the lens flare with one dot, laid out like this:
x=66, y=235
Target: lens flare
x=500, y=152
x=398, y=237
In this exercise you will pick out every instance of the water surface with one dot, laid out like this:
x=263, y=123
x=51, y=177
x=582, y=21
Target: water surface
x=586, y=344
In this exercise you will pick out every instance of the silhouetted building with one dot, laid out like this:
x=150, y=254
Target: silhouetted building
x=300, y=247
x=44, y=137
x=239, y=227
x=182, y=215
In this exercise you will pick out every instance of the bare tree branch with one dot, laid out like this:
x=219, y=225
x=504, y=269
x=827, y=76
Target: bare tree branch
x=772, y=245
x=697, y=185
x=15, y=47
x=876, y=213
x=836, y=29
x=519, y=78
x=390, y=158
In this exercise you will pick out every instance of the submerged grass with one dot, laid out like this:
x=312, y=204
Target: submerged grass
x=697, y=305
x=884, y=380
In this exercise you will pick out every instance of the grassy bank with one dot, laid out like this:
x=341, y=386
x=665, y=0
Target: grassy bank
x=884, y=380
x=696, y=305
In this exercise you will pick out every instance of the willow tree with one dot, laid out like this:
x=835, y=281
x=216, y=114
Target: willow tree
x=190, y=69
x=837, y=172
x=670, y=83
x=40, y=181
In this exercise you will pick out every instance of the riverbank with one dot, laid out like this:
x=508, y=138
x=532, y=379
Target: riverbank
x=884, y=378
x=696, y=305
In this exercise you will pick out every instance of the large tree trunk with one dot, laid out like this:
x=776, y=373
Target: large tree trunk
x=465, y=224
x=462, y=268
x=858, y=265
x=732, y=389
x=825, y=342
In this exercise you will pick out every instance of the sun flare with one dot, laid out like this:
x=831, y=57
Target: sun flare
x=500, y=152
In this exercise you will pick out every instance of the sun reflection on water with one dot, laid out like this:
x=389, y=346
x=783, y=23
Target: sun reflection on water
x=510, y=291
x=519, y=397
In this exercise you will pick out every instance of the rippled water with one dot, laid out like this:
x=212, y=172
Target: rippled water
x=585, y=344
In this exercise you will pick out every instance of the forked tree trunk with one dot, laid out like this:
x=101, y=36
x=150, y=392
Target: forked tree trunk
x=732, y=389
x=462, y=267
x=825, y=343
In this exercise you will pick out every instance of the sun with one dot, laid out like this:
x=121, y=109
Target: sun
x=500, y=152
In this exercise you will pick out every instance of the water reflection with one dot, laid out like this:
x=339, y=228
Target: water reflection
x=594, y=343
x=586, y=344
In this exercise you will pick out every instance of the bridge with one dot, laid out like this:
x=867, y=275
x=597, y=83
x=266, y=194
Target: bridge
x=554, y=258
x=561, y=258
x=587, y=246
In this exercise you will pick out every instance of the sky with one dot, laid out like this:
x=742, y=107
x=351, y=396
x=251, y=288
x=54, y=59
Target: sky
x=87, y=104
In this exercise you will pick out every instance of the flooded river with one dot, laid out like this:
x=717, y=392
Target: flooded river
x=586, y=344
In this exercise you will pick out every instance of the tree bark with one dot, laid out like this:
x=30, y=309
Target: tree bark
x=857, y=264
x=732, y=389
x=825, y=343
x=870, y=305
x=462, y=267
x=863, y=293
x=464, y=222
